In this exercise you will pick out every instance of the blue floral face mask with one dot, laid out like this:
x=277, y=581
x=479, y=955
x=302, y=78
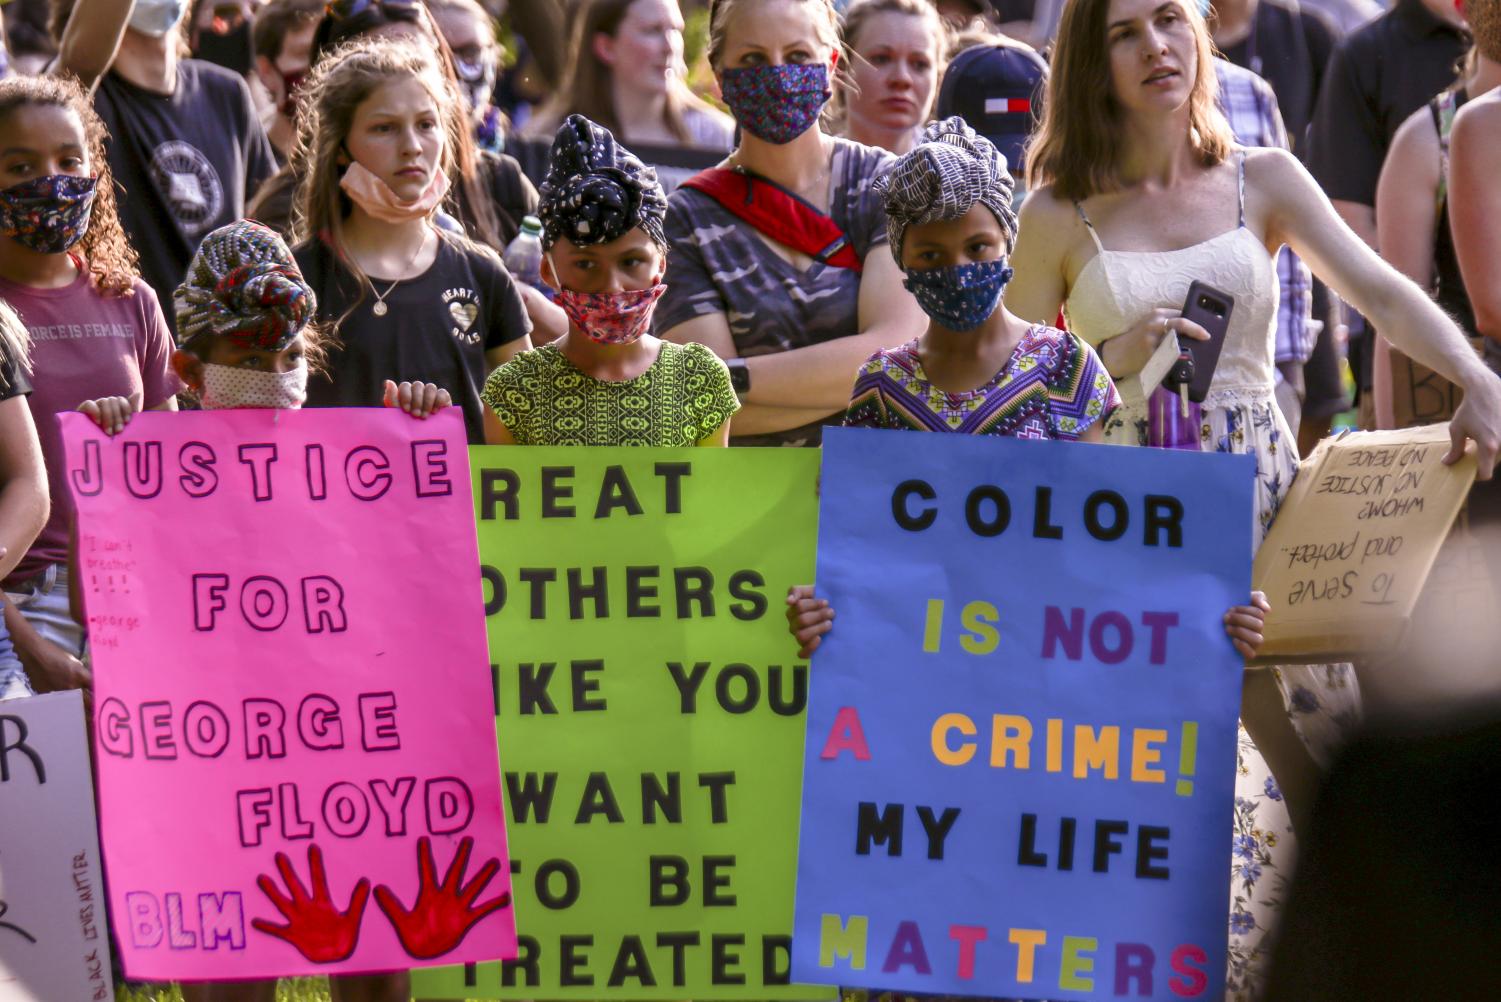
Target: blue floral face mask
x=961, y=297
x=776, y=103
x=48, y=214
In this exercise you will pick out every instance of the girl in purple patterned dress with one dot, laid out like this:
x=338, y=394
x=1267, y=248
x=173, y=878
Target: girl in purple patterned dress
x=977, y=369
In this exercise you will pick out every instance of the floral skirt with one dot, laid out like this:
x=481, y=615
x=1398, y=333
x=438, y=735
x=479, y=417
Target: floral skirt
x=1323, y=701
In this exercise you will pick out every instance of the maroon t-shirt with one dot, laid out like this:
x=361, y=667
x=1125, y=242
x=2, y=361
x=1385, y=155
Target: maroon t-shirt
x=83, y=346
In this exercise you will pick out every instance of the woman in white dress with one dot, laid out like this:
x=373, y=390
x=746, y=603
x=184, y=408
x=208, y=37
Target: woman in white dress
x=1139, y=190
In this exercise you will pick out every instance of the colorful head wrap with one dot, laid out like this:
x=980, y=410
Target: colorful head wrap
x=244, y=285
x=597, y=190
x=950, y=171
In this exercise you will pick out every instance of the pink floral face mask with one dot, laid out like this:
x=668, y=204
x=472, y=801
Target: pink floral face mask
x=612, y=317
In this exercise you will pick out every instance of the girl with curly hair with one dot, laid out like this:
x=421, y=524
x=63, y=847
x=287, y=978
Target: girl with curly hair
x=607, y=381
x=96, y=328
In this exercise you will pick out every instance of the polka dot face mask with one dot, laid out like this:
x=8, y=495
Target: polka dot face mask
x=226, y=386
x=960, y=297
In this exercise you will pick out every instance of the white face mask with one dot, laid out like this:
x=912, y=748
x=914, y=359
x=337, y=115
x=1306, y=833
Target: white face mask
x=156, y=17
x=226, y=386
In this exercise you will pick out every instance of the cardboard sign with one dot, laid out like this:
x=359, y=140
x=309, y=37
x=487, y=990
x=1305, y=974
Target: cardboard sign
x=1019, y=773
x=295, y=744
x=1353, y=542
x=651, y=712
x=1421, y=396
x=54, y=939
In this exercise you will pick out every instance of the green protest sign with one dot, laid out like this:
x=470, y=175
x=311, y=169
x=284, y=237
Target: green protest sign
x=650, y=711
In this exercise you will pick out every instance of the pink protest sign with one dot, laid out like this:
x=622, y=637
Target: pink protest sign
x=294, y=721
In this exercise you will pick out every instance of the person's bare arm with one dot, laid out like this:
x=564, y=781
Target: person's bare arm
x=1039, y=286
x=92, y=38
x=1299, y=215
x=819, y=376
x=496, y=357
x=713, y=331
x=549, y=322
x=1405, y=229
x=1474, y=155
x=24, y=504
x=1359, y=217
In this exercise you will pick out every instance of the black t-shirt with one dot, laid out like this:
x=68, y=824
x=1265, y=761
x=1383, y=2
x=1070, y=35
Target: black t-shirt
x=1290, y=49
x=187, y=163
x=13, y=381
x=437, y=328
x=1378, y=76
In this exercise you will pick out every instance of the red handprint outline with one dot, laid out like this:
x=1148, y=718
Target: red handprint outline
x=315, y=925
x=444, y=913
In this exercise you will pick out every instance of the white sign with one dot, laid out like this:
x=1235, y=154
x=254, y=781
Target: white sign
x=54, y=940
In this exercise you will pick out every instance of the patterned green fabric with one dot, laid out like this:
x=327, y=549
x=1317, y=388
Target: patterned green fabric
x=544, y=399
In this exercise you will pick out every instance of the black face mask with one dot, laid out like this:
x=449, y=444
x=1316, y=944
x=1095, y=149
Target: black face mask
x=232, y=50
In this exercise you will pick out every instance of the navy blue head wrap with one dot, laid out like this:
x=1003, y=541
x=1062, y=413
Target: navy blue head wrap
x=597, y=190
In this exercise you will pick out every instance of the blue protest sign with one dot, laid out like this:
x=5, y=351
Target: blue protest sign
x=1020, y=760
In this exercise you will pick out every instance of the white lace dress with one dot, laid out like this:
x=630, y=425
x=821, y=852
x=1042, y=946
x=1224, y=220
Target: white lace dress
x=1114, y=291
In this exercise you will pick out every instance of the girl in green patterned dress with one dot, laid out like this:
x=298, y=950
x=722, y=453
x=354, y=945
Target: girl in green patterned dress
x=607, y=381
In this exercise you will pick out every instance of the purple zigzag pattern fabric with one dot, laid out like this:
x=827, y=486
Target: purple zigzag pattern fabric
x=1053, y=387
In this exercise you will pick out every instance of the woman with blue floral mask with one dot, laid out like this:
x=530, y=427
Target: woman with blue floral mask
x=779, y=259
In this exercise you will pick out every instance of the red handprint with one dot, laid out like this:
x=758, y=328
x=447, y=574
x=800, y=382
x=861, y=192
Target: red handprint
x=443, y=914
x=315, y=926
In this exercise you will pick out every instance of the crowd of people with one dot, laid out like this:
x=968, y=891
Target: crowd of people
x=881, y=213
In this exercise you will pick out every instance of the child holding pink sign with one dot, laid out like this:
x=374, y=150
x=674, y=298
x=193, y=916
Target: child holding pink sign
x=244, y=317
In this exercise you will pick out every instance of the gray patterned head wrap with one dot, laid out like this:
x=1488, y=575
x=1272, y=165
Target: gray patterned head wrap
x=243, y=284
x=597, y=190
x=946, y=174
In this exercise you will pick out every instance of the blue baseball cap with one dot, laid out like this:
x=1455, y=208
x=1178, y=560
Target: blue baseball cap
x=998, y=90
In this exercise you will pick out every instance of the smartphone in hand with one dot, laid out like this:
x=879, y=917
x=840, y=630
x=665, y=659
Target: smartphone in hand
x=1210, y=309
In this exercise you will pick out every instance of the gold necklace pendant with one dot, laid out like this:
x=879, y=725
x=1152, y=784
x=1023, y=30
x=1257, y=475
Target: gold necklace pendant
x=379, y=309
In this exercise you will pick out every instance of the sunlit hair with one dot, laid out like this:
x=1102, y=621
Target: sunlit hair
x=1076, y=148
x=1485, y=25
x=341, y=81
x=722, y=12
x=15, y=341
x=469, y=199
x=110, y=259
x=588, y=87
x=279, y=18
x=855, y=19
